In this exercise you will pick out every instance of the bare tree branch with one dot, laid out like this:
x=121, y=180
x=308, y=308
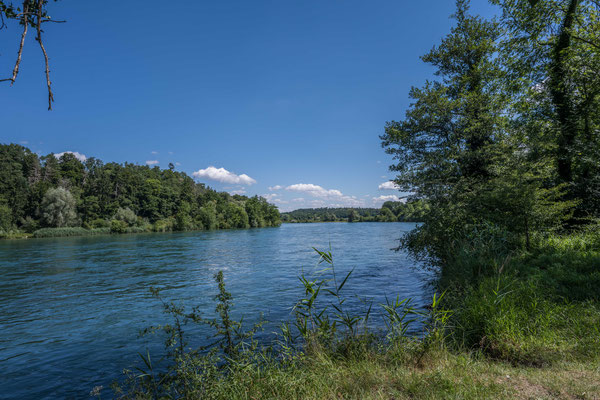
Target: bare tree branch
x=18, y=62
x=39, y=40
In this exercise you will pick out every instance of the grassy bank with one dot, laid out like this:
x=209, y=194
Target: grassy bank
x=393, y=374
x=512, y=324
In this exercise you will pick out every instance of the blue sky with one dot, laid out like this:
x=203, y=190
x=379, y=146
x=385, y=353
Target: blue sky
x=285, y=99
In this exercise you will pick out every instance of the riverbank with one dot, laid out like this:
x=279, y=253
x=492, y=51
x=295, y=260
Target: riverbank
x=520, y=325
x=442, y=375
x=80, y=231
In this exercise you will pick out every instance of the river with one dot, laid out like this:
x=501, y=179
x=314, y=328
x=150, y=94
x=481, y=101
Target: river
x=71, y=309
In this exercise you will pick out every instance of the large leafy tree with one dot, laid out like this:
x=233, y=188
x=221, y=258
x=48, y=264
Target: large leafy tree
x=464, y=147
x=451, y=132
x=58, y=208
x=551, y=49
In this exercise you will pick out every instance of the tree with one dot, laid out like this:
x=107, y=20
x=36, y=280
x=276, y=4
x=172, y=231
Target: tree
x=207, y=216
x=183, y=220
x=58, y=208
x=71, y=170
x=452, y=130
x=120, y=192
x=14, y=185
x=5, y=216
x=236, y=216
x=553, y=47
x=386, y=215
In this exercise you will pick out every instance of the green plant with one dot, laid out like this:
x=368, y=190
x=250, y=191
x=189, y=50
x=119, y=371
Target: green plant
x=314, y=321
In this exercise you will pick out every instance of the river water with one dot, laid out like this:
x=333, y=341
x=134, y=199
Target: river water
x=71, y=309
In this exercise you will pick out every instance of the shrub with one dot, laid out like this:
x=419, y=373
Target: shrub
x=57, y=232
x=69, y=231
x=118, y=226
x=164, y=225
x=5, y=216
x=138, y=229
x=29, y=225
x=126, y=215
x=99, y=223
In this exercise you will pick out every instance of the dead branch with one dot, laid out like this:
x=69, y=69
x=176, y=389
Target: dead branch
x=20, y=53
x=39, y=40
x=25, y=25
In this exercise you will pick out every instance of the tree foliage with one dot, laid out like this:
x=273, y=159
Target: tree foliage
x=391, y=211
x=58, y=208
x=59, y=192
x=507, y=135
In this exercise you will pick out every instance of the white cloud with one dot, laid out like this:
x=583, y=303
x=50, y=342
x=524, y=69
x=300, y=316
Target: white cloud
x=154, y=152
x=391, y=197
x=222, y=175
x=389, y=185
x=24, y=142
x=178, y=163
x=170, y=153
x=151, y=162
x=270, y=196
x=239, y=191
x=298, y=200
x=276, y=187
x=314, y=190
x=79, y=156
x=327, y=197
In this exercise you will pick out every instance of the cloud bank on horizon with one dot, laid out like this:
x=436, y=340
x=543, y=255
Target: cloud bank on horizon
x=318, y=197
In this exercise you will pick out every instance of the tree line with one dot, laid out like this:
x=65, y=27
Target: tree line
x=49, y=192
x=390, y=211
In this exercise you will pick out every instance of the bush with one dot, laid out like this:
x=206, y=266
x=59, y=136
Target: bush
x=99, y=223
x=117, y=226
x=164, y=225
x=71, y=231
x=126, y=215
x=57, y=232
x=138, y=229
x=5, y=217
x=29, y=225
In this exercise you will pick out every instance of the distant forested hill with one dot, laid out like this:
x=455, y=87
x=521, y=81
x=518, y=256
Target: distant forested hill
x=49, y=192
x=390, y=211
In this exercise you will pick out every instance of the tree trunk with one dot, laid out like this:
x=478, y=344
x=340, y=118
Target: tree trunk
x=561, y=98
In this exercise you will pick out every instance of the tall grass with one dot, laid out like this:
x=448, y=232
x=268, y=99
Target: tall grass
x=69, y=231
